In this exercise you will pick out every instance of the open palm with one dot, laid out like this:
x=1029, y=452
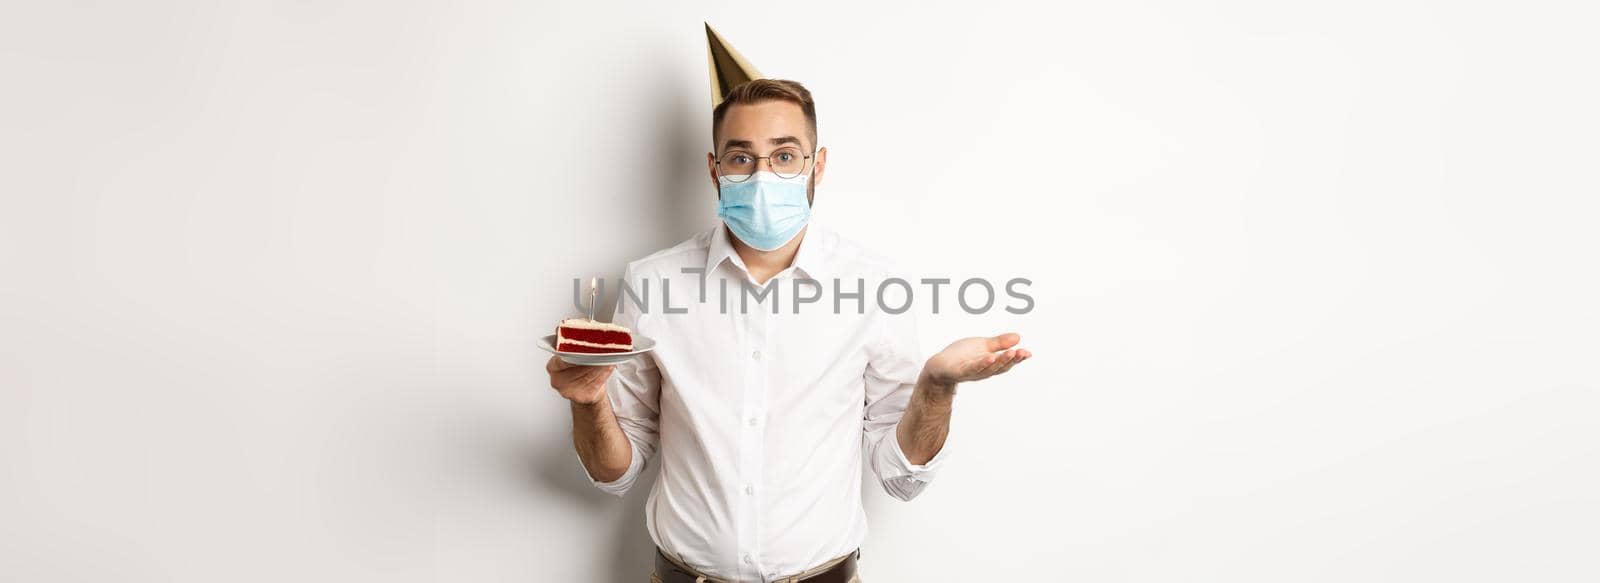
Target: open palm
x=975, y=359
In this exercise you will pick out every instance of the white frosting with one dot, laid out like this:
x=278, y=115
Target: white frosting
x=587, y=324
x=593, y=345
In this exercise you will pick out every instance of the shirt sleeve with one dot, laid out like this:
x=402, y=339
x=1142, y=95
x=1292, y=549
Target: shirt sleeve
x=894, y=362
x=635, y=393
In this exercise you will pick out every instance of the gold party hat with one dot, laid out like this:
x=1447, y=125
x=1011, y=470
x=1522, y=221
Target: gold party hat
x=728, y=67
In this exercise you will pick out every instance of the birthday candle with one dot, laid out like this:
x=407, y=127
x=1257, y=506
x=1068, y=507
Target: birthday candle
x=593, y=281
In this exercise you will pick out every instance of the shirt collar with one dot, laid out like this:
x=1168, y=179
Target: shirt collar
x=810, y=258
x=721, y=248
x=813, y=252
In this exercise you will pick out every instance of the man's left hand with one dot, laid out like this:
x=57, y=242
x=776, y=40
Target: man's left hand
x=974, y=359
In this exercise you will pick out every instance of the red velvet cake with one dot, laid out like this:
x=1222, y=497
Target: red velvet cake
x=589, y=336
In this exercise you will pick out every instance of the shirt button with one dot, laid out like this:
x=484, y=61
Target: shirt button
x=752, y=421
x=748, y=489
x=748, y=560
x=756, y=355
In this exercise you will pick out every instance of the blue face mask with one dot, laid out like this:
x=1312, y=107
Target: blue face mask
x=765, y=211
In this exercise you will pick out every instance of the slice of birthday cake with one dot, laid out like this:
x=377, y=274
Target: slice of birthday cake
x=585, y=335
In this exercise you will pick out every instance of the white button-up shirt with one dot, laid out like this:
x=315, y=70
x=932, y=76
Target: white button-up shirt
x=761, y=419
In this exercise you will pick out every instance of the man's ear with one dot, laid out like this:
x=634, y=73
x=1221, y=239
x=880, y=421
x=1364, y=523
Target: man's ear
x=818, y=166
x=711, y=169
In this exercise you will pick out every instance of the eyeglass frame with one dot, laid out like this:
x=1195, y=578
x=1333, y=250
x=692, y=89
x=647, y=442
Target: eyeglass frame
x=803, y=155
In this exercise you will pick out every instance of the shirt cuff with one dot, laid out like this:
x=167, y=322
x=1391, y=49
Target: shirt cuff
x=924, y=471
x=619, y=486
x=901, y=478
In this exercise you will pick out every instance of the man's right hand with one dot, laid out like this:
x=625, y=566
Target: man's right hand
x=583, y=385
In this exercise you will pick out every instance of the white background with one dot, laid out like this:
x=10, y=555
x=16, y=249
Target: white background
x=1315, y=282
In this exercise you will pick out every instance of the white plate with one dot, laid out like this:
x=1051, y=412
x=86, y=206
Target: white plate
x=641, y=345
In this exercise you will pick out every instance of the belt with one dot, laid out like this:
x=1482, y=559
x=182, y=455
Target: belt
x=840, y=570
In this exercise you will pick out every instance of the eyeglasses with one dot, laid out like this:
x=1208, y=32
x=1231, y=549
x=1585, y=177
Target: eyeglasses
x=738, y=165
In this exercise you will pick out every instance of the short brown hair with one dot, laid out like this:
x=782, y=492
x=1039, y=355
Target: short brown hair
x=759, y=90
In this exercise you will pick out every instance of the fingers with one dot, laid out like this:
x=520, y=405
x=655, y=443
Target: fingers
x=1003, y=341
x=994, y=364
x=1021, y=355
x=979, y=367
x=557, y=365
x=578, y=375
x=595, y=374
x=1001, y=361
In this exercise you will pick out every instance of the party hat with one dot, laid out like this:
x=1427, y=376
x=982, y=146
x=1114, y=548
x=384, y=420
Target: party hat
x=728, y=67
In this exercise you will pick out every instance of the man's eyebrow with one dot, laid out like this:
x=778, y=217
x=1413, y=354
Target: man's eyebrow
x=785, y=140
x=736, y=144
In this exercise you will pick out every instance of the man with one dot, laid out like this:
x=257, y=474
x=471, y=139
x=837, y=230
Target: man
x=762, y=416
